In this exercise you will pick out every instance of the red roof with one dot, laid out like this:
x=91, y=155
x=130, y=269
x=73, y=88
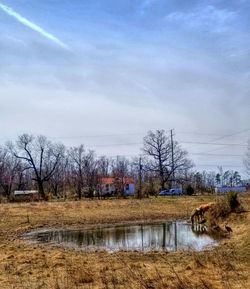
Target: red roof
x=110, y=181
x=107, y=181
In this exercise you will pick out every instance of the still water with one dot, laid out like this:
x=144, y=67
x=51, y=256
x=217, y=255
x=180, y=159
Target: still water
x=169, y=236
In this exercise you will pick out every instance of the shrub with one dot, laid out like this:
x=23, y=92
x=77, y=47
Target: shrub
x=190, y=190
x=223, y=207
x=150, y=189
x=232, y=198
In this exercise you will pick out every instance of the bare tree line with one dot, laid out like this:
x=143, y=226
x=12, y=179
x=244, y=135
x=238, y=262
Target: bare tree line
x=34, y=162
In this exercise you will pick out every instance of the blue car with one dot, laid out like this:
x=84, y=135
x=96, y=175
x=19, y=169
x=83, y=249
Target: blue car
x=165, y=193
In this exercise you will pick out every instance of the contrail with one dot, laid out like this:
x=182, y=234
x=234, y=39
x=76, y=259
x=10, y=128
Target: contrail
x=32, y=26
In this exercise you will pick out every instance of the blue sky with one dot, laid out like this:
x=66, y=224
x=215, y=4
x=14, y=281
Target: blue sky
x=115, y=69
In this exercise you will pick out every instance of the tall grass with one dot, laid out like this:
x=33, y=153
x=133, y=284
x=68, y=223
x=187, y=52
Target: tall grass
x=232, y=198
x=223, y=207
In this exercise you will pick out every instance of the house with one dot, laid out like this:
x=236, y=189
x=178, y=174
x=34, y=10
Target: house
x=21, y=196
x=114, y=186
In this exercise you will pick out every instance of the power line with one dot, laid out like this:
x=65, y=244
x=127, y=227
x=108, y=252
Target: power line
x=216, y=165
x=94, y=136
x=220, y=155
x=233, y=134
x=226, y=136
x=211, y=143
x=141, y=155
x=83, y=136
x=198, y=133
x=181, y=142
x=117, y=144
x=139, y=133
x=196, y=154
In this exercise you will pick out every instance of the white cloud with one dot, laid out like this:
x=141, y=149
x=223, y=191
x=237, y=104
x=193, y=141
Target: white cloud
x=32, y=25
x=209, y=17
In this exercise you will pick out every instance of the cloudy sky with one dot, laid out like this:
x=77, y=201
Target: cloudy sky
x=104, y=72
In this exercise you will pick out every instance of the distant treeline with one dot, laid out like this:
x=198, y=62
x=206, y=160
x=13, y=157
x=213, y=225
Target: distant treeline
x=35, y=162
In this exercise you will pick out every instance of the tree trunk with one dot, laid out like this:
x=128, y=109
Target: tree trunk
x=55, y=188
x=41, y=190
x=161, y=175
x=20, y=182
x=79, y=191
x=162, y=180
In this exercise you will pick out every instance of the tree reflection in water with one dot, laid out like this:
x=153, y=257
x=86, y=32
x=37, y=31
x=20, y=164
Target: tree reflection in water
x=170, y=236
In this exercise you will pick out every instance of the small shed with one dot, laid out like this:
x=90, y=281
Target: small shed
x=24, y=196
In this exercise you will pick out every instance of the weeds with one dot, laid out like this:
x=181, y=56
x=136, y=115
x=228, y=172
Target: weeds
x=224, y=207
x=233, y=202
x=25, y=266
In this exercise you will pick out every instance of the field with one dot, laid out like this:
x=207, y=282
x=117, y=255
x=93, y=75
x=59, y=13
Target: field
x=24, y=265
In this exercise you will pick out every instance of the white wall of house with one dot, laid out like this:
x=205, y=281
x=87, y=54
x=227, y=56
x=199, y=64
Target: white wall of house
x=107, y=188
x=129, y=189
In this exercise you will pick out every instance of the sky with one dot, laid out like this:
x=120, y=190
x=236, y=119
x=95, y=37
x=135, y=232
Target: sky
x=104, y=72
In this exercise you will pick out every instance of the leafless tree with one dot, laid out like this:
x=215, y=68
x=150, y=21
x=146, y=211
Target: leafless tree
x=247, y=159
x=58, y=180
x=104, y=166
x=91, y=173
x=120, y=170
x=39, y=155
x=84, y=171
x=76, y=158
x=11, y=171
x=158, y=148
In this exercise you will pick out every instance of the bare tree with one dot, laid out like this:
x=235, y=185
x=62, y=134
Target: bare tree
x=76, y=158
x=4, y=177
x=11, y=171
x=120, y=169
x=209, y=179
x=104, y=166
x=84, y=171
x=247, y=159
x=157, y=146
x=91, y=173
x=39, y=155
x=58, y=180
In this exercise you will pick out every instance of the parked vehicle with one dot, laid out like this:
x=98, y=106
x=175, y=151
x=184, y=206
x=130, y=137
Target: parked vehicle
x=171, y=192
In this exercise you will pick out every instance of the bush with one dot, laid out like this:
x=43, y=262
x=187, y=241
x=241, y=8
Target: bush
x=223, y=207
x=150, y=189
x=190, y=190
x=232, y=198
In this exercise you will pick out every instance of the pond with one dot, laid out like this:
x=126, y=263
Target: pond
x=168, y=236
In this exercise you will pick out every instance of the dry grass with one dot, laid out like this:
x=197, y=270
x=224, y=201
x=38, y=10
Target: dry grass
x=33, y=266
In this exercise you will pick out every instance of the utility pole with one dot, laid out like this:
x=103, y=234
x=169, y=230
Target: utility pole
x=140, y=180
x=172, y=154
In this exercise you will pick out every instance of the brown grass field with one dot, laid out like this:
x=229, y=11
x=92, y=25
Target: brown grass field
x=33, y=266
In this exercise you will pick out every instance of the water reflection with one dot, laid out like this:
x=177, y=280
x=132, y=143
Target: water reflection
x=170, y=236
